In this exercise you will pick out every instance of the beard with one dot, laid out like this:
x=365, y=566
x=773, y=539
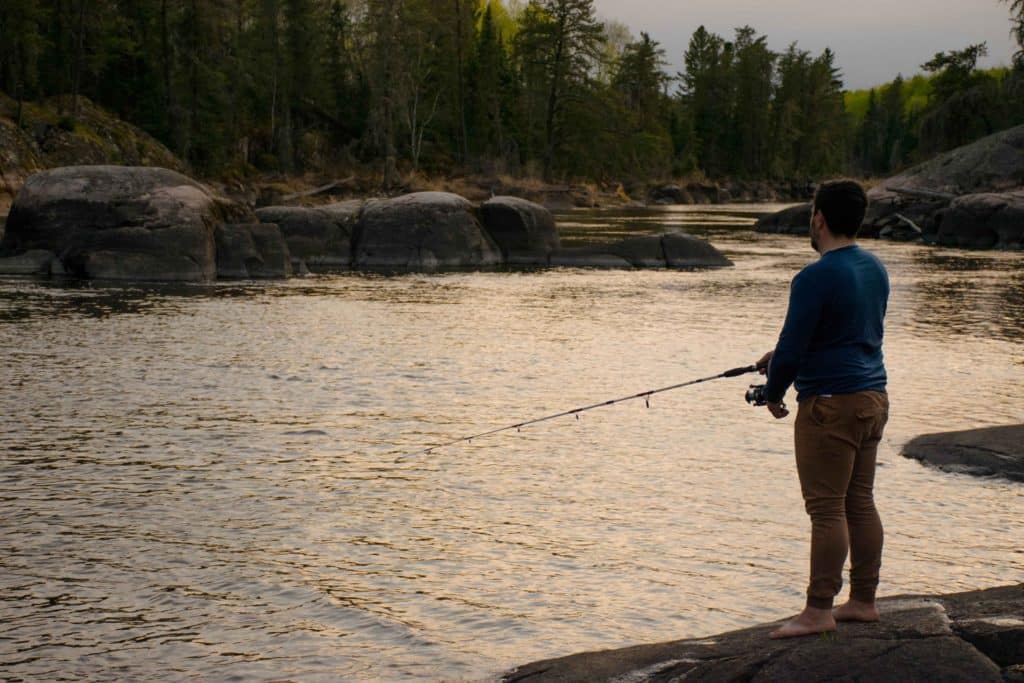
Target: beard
x=814, y=242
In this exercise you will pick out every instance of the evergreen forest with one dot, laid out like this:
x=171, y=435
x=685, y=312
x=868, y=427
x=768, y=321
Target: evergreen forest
x=542, y=88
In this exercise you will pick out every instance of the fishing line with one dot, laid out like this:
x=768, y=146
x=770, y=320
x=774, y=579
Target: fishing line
x=646, y=395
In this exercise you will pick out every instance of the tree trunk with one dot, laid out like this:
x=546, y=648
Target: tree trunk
x=549, y=124
x=165, y=49
x=61, y=52
x=463, y=133
x=79, y=50
x=388, y=88
x=193, y=116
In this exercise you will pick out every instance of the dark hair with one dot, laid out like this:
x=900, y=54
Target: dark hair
x=843, y=203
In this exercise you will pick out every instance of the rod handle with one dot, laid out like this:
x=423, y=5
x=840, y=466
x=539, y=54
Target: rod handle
x=736, y=372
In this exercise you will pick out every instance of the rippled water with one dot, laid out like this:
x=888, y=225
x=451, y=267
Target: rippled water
x=207, y=481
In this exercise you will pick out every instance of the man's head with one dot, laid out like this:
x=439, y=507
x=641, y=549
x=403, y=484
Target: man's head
x=840, y=205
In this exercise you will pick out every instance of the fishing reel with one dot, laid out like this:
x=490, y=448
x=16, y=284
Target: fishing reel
x=755, y=395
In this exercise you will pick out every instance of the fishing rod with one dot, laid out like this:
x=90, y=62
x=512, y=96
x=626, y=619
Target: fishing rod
x=646, y=395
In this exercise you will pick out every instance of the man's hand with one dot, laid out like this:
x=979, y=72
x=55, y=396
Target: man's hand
x=778, y=410
x=762, y=365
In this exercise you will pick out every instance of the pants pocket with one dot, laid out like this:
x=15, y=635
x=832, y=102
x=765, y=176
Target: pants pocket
x=823, y=411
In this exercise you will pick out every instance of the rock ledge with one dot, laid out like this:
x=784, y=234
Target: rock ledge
x=990, y=451
x=974, y=636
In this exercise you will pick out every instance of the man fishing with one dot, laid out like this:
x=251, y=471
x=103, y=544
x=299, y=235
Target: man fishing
x=830, y=348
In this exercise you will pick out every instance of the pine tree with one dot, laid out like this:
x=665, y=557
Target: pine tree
x=640, y=82
x=706, y=93
x=490, y=86
x=754, y=72
x=895, y=126
x=560, y=38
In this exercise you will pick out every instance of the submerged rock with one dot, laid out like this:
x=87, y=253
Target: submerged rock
x=587, y=257
x=423, y=231
x=686, y=251
x=640, y=252
x=120, y=222
x=31, y=262
x=990, y=451
x=975, y=636
x=670, y=250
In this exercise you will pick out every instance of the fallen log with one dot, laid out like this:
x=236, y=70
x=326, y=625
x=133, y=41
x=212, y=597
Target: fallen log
x=318, y=190
x=922, y=194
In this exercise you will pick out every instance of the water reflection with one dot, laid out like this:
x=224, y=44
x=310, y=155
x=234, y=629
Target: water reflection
x=202, y=481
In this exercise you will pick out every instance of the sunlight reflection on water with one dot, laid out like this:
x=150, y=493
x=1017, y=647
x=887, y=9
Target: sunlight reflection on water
x=202, y=481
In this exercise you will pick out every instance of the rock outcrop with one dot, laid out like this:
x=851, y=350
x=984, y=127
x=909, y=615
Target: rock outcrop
x=976, y=636
x=991, y=164
x=120, y=222
x=318, y=237
x=423, y=231
x=971, y=197
x=44, y=141
x=968, y=184
x=524, y=231
x=990, y=451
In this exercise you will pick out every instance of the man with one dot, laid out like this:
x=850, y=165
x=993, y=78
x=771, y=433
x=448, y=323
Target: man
x=830, y=348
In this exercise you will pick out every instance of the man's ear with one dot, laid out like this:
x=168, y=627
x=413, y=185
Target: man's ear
x=818, y=219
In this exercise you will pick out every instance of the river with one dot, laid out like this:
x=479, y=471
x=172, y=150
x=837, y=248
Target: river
x=219, y=481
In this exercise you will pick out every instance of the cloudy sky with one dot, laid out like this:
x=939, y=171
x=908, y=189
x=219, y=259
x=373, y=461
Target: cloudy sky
x=873, y=39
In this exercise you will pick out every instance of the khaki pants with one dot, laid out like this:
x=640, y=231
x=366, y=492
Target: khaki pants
x=836, y=440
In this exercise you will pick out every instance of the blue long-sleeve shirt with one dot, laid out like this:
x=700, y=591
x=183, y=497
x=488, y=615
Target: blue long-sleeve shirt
x=831, y=342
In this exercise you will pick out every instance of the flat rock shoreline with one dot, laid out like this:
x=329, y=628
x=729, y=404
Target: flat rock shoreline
x=976, y=636
x=990, y=451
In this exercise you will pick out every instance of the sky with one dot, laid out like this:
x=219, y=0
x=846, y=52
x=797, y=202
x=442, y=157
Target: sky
x=873, y=39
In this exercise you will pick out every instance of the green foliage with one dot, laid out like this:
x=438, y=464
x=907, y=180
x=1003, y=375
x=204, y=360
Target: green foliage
x=908, y=121
x=955, y=71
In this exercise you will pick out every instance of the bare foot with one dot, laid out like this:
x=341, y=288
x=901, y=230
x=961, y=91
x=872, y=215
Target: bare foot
x=855, y=610
x=808, y=622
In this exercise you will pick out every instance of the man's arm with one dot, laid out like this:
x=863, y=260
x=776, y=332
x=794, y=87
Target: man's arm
x=806, y=299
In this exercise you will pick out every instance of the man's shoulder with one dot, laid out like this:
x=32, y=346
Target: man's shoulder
x=812, y=272
x=868, y=259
